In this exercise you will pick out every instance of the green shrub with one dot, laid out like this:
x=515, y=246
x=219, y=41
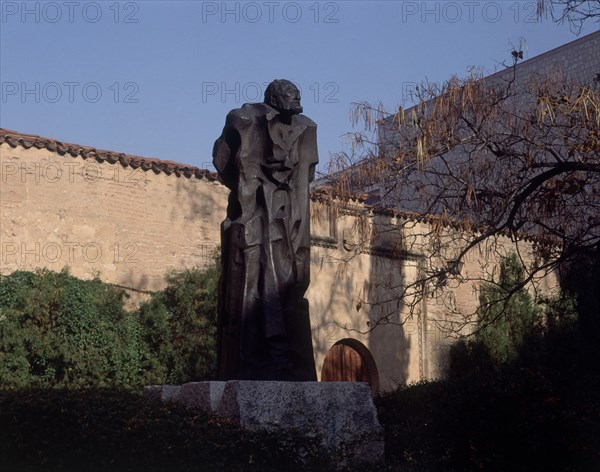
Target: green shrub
x=59, y=331
x=62, y=332
x=180, y=327
x=99, y=430
x=521, y=395
x=537, y=412
x=508, y=314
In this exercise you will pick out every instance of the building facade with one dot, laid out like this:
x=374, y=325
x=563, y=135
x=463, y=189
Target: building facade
x=386, y=296
x=130, y=220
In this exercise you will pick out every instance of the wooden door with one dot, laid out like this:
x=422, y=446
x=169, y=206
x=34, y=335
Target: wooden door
x=344, y=364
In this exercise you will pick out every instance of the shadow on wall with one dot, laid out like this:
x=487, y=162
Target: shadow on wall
x=356, y=300
x=203, y=205
x=330, y=301
x=390, y=341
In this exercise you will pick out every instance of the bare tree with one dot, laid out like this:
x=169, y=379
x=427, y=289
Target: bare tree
x=573, y=12
x=481, y=159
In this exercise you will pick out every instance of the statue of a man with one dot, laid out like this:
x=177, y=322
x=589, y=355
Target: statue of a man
x=266, y=156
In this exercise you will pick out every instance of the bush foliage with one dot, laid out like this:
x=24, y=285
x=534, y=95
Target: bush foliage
x=521, y=395
x=70, y=356
x=59, y=331
x=180, y=327
x=539, y=411
x=102, y=430
x=62, y=332
x=524, y=404
x=508, y=313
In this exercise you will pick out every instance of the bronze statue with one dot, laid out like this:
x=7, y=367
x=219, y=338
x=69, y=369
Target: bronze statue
x=266, y=156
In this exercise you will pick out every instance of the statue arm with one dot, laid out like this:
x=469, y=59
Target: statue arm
x=224, y=152
x=311, y=150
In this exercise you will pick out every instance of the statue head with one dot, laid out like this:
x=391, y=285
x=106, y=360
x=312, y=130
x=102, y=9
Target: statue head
x=284, y=96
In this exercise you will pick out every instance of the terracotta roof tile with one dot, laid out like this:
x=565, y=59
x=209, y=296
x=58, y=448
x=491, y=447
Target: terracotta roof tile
x=15, y=138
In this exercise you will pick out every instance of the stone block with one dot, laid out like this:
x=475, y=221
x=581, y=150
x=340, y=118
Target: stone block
x=166, y=393
x=342, y=413
x=170, y=393
x=202, y=395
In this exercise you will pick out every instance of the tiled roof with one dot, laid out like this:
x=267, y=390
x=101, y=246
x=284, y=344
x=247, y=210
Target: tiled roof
x=324, y=194
x=14, y=139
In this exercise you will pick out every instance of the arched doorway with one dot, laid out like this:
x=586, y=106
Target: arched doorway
x=349, y=360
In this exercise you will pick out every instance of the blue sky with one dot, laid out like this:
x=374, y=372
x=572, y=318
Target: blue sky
x=157, y=78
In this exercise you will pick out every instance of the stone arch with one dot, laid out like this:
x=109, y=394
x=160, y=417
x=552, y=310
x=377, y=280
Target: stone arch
x=349, y=360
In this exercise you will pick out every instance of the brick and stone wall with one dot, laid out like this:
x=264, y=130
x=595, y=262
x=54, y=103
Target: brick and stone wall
x=125, y=224
x=130, y=220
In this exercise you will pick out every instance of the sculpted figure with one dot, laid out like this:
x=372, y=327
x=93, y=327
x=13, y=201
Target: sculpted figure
x=266, y=156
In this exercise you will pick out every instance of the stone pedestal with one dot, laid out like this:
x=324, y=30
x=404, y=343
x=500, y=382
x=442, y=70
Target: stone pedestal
x=342, y=413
